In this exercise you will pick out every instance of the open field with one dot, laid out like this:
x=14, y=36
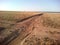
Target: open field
x=29, y=28
x=14, y=16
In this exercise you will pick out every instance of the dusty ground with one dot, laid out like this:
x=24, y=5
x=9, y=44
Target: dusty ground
x=36, y=30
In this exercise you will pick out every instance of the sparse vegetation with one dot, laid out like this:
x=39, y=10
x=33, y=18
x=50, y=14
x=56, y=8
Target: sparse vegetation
x=51, y=21
x=40, y=41
x=14, y=16
x=8, y=21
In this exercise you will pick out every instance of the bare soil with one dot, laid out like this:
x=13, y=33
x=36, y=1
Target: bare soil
x=37, y=29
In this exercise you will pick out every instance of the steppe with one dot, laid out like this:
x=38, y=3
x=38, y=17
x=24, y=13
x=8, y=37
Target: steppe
x=29, y=28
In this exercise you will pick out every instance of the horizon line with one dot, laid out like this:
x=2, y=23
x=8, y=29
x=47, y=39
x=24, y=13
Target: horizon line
x=29, y=11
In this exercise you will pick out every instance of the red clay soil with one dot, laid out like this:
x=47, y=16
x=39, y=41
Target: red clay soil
x=32, y=32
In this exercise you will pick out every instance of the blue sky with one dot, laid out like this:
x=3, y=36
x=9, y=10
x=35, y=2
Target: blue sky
x=30, y=5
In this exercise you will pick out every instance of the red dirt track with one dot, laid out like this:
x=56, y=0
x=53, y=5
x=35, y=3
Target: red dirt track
x=32, y=32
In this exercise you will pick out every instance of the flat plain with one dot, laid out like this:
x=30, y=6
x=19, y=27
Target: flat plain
x=29, y=28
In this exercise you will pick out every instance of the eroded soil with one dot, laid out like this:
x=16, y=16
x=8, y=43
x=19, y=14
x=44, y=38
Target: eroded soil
x=34, y=33
x=30, y=31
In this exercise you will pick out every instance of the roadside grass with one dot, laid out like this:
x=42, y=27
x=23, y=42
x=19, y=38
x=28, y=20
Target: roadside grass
x=14, y=16
x=9, y=18
x=51, y=21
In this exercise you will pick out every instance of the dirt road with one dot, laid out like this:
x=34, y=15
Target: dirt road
x=32, y=32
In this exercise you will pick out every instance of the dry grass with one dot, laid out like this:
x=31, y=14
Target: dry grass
x=40, y=41
x=51, y=20
x=14, y=16
x=9, y=18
